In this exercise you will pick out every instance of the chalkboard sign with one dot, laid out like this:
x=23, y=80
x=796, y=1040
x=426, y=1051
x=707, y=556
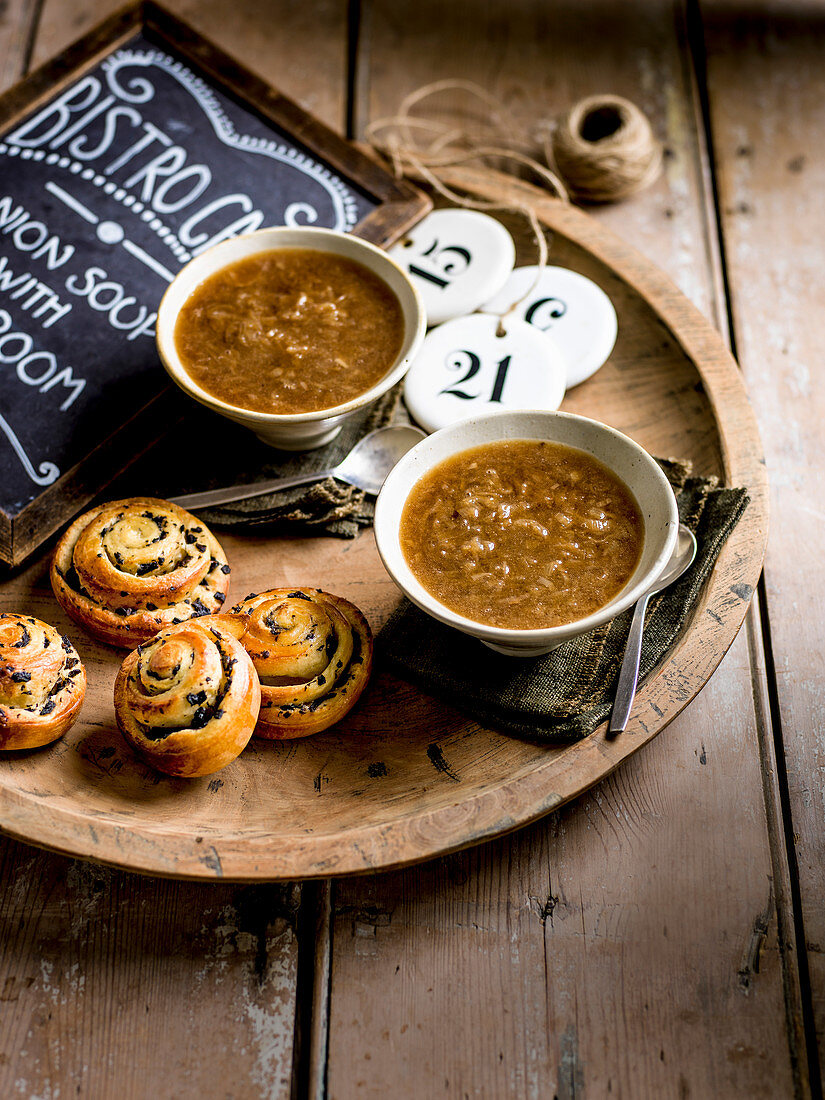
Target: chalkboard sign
x=139, y=148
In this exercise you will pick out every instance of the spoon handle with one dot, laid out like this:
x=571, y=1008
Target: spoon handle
x=244, y=492
x=629, y=672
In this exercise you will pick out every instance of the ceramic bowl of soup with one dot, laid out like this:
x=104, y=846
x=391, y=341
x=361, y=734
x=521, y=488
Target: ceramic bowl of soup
x=290, y=331
x=525, y=529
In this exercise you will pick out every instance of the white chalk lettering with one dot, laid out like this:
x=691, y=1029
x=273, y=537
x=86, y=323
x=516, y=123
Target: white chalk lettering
x=164, y=164
x=202, y=240
x=56, y=115
x=55, y=310
x=13, y=346
x=9, y=217
x=104, y=295
x=79, y=149
x=202, y=177
x=152, y=134
x=25, y=365
x=67, y=379
x=36, y=368
x=9, y=282
x=29, y=288
x=81, y=123
x=31, y=236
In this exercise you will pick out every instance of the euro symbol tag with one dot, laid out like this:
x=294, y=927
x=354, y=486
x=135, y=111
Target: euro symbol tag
x=467, y=368
x=567, y=306
x=457, y=259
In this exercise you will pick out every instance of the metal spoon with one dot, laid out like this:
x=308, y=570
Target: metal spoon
x=366, y=467
x=682, y=557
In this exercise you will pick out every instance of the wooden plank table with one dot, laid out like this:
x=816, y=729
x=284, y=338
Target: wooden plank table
x=663, y=934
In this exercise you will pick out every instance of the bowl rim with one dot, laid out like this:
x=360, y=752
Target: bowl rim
x=497, y=634
x=165, y=325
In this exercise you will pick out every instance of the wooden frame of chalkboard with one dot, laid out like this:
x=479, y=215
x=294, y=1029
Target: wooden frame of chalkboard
x=67, y=105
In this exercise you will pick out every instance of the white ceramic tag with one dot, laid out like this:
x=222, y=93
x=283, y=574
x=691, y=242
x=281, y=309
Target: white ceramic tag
x=457, y=260
x=568, y=306
x=464, y=369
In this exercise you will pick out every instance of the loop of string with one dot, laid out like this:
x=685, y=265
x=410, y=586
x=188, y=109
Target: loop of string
x=603, y=149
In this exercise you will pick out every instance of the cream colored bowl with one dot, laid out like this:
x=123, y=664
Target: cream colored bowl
x=293, y=431
x=625, y=458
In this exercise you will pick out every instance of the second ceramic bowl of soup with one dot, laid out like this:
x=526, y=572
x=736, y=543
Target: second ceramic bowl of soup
x=466, y=450
x=309, y=324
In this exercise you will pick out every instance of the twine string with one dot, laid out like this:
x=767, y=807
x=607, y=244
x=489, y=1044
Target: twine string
x=603, y=149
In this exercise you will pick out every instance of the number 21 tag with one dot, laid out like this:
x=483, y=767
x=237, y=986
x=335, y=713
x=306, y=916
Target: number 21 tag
x=465, y=369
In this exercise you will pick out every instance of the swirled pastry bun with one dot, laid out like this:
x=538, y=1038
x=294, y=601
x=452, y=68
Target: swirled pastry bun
x=187, y=701
x=128, y=569
x=42, y=683
x=313, y=654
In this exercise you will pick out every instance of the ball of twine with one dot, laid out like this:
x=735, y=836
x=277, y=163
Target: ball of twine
x=605, y=150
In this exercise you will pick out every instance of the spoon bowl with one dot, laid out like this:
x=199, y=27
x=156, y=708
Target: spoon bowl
x=366, y=467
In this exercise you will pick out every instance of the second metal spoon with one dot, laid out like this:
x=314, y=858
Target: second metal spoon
x=366, y=466
x=683, y=555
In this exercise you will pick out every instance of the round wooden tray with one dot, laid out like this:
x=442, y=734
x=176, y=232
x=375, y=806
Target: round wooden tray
x=372, y=793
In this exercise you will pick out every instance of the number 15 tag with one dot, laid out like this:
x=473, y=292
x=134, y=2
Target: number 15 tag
x=457, y=260
x=465, y=369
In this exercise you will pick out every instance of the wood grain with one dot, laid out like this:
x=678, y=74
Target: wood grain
x=596, y=954
x=672, y=386
x=771, y=172
x=111, y=984
x=299, y=47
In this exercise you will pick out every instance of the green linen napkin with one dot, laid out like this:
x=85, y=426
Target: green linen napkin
x=566, y=694
x=205, y=451
x=326, y=507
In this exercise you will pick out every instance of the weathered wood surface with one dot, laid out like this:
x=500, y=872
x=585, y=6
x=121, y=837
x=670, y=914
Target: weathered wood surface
x=629, y=943
x=771, y=174
x=599, y=954
x=315, y=807
x=111, y=985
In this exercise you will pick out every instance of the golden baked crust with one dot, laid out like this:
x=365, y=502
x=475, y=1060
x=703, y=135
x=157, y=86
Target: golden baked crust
x=42, y=683
x=128, y=569
x=188, y=700
x=313, y=654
